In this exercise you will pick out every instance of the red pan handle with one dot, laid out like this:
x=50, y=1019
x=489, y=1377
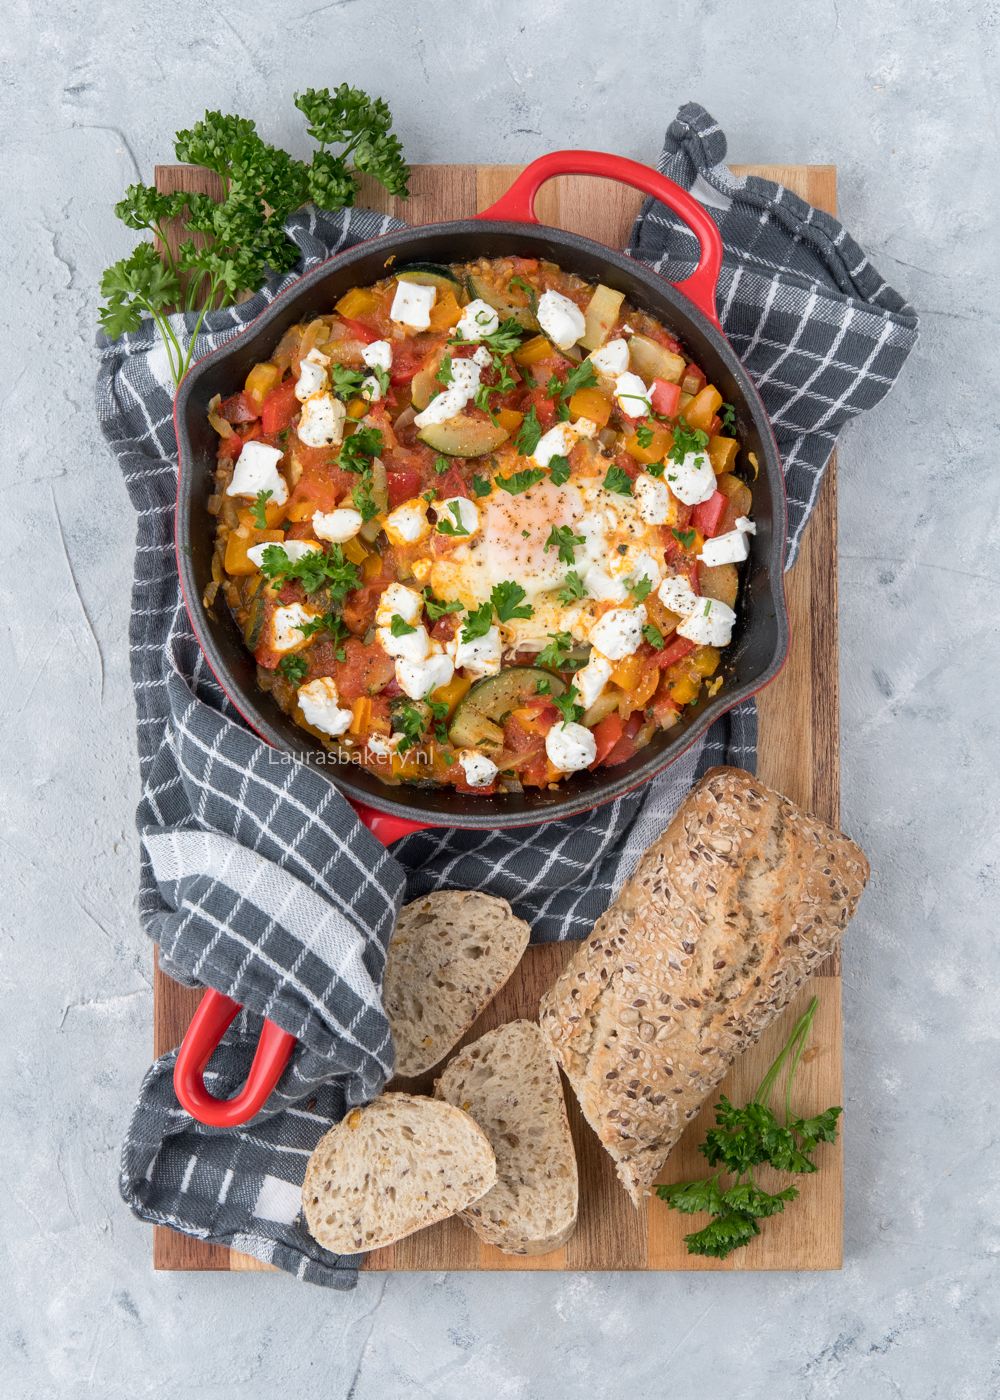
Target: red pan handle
x=216, y=1013
x=518, y=204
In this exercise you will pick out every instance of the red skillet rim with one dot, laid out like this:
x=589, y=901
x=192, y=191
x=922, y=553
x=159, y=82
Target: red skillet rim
x=608, y=788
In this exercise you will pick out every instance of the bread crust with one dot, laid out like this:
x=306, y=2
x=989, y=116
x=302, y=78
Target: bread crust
x=728, y=912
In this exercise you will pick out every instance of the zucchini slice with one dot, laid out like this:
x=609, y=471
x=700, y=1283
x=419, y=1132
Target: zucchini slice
x=653, y=361
x=523, y=315
x=432, y=275
x=601, y=314
x=478, y=714
x=463, y=437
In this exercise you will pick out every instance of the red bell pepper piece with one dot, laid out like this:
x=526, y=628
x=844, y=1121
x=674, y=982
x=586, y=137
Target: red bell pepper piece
x=674, y=651
x=280, y=407
x=665, y=397
x=606, y=733
x=402, y=485
x=707, y=515
x=625, y=748
x=360, y=331
x=239, y=408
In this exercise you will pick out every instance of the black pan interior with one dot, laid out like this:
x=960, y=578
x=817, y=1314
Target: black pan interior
x=761, y=638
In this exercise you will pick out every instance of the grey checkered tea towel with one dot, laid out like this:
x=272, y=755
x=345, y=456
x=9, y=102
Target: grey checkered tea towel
x=258, y=879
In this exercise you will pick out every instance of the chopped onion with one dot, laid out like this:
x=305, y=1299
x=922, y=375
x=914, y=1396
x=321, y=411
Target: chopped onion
x=224, y=429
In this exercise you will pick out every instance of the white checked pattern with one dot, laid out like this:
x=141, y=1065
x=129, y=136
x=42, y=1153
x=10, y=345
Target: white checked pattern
x=258, y=879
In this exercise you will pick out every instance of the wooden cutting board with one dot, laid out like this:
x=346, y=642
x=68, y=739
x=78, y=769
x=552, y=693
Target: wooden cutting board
x=799, y=755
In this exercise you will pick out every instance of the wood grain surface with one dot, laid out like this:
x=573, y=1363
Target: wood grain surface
x=798, y=754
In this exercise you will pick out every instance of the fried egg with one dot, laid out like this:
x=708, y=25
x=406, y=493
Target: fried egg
x=614, y=547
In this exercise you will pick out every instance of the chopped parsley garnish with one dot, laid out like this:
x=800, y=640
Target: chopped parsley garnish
x=581, y=376
x=436, y=607
x=519, y=481
x=441, y=465
x=568, y=705
x=361, y=495
x=558, y=469
x=508, y=599
x=562, y=539
x=318, y=569
x=644, y=435
x=573, y=588
x=556, y=651
x=259, y=509
x=656, y=468
x=527, y=289
x=685, y=538
x=399, y=627
x=653, y=636
x=293, y=668
x=505, y=338
x=727, y=414
x=544, y=687
x=529, y=434
x=478, y=623
x=482, y=400
x=481, y=486
x=444, y=374
x=687, y=440
x=618, y=480
x=347, y=382
x=641, y=588
x=452, y=527
x=413, y=720
x=357, y=451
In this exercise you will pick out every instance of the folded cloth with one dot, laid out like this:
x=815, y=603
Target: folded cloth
x=258, y=879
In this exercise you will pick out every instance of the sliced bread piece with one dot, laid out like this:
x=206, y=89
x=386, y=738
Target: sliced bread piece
x=508, y=1081
x=391, y=1168
x=451, y=953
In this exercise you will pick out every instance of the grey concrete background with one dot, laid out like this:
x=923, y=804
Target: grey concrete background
x=902, y=96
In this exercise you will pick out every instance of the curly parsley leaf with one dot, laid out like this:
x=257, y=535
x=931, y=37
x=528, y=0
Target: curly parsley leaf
x=581, y=376
x=555, y=653
x=258, y=510
x=293, y=668
x=644, y=435
x=453, y=527
x=326, y=569
x=508, y=599
x=685, y=538
x=558, y=469
x=481, y=486
x=568, y=705
x=529, y=434
x=332, y=625
x=687, y=440
x=362, y=126
x=436, y=607
x=399, y=627
x=519, y=481
x=358, y=451
x=653, y=636
x=562, y=539
x=618, y=480
x=478, y=623
x=727, y=413
x=640, y=588
x=573, y=588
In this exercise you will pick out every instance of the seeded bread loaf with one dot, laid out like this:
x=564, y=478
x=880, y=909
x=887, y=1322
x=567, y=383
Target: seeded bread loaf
x=508, y=1081
x=391, y=1168
x=451, y=953
x=728, y=912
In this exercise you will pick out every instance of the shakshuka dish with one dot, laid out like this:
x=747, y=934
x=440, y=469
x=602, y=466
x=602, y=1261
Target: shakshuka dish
x=481, y=525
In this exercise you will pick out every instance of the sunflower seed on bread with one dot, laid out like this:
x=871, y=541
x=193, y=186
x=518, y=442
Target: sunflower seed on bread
x=508, y=1081
x=451, y=953
x=728, y=912
x=391, y=1168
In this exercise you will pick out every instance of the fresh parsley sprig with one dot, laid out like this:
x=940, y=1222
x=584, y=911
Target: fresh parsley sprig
x=562, y=539
x=317, y=569
x=242, y=235
x=749, y=1137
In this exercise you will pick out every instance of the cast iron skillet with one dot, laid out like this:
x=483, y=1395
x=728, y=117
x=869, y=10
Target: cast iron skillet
x=750, y=662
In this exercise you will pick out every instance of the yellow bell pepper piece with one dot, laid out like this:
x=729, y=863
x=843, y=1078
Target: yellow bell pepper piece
x=355, y=551
x=359, y=301
x=241, y=539
x=357, y=408
x=361, y=713
x=274, y=515
x=533, y=350
x=261, y=380
x=509, y=419
x=301, y=510
x=591, y=403
x=656, y=448
x=372, y=567
x=685, y=690
x=451, y=693
x=703, y=408
x=445, y=312
x=722, y=453
x=706, y=660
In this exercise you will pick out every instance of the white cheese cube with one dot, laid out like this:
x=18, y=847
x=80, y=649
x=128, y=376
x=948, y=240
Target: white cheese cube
x=710, y=626
x=312, y=375
x=677, y=595
x=561, y=319
x=632, y=395
x=338, y=525
x=319, y=703
x=557, y=442
x=458, y=512
x=692, y=480
x=645, y=566
x=611, y=359
x=378, y=355
x=478, y=319
x=411, y=305
x=400, y=601
x=286, y=626
x=322, y=421
x=408, y=523
x=605, y=587
x=292, y=549
x=744, y=523
x=410, y=646
x=653, y=499
x=730, y=548
x=478, y=769
x=481, y=656
x=483, y=358
x=618, y=633
x=370, y=389
x=256, y=470
x=419, y=678
x=570, y=747
x=591, y=679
